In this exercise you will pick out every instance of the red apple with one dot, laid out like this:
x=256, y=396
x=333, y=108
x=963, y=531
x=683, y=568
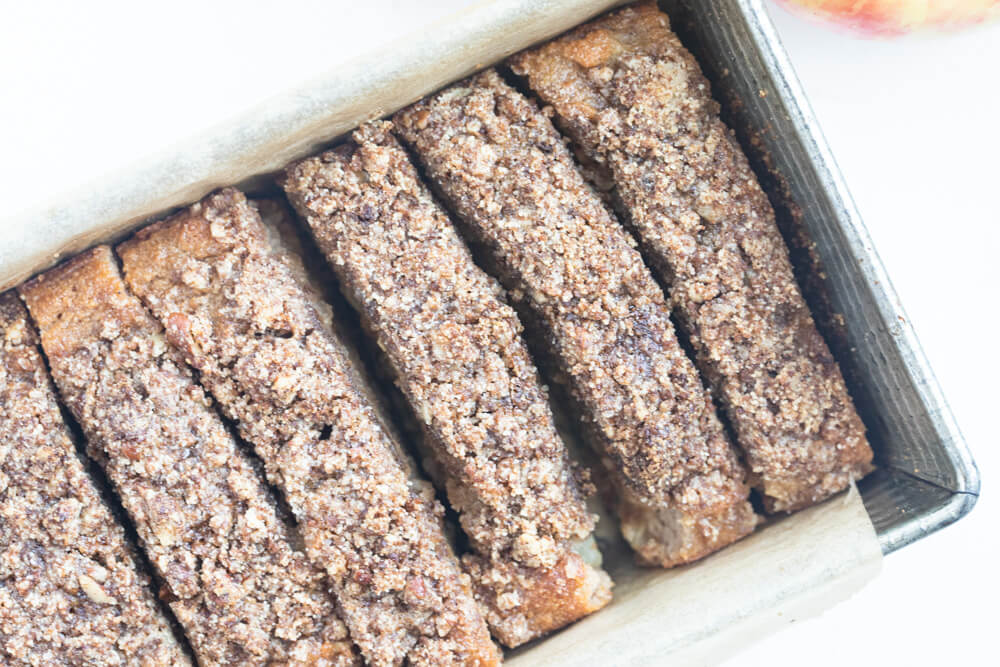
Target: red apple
x=900, y=16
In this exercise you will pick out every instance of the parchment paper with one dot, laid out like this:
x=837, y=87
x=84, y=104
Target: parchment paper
x=705, y=612
x=292, y=124
x=696, y=615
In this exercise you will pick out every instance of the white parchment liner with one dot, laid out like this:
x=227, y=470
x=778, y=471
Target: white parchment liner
x=703, y=613
x=696, y=615
x=290, y=125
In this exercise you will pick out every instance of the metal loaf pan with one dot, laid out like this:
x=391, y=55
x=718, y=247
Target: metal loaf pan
x=798, y=565
x=926, y=477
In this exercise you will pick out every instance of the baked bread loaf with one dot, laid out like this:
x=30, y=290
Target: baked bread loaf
x=71, y=592
x=455, y=350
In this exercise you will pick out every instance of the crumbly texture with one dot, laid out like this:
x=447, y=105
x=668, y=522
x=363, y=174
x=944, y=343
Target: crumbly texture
x=70, y=589
x=456, y=352
x=637, y=106
x=208, y=525
x=233, y=305
x=503, y=167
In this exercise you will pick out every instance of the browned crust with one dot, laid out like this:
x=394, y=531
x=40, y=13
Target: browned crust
x=234, y=307
x=456, y=352
x=636, y=104
x=91, y=282
x=525, y=603
x=70, y=589
x=211, y=530
x=505, y=170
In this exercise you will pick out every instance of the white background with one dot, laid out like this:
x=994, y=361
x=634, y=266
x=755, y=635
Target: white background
x=85, y=89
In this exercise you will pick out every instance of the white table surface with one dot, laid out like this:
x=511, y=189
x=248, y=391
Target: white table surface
x=912, y=122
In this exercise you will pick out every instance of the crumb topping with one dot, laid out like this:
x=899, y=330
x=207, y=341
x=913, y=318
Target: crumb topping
x=505, y=170
x=233, y=307
x=456, y=351
x=638, y=107
x=70, y=588
x=209, y=527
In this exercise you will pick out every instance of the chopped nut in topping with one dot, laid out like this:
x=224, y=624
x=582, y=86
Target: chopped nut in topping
x=94, y=590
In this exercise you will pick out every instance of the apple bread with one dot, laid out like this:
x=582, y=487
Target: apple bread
x=638, y=109
x=504, y=169
x=229, y=300
x=71, y=592
x=455, y=351
x=207, y=523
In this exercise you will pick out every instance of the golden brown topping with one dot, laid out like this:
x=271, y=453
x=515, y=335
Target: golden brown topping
x=456, y=352
x=70, y=590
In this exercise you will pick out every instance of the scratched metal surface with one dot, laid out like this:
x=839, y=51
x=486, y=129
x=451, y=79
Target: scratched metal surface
x=927, y=477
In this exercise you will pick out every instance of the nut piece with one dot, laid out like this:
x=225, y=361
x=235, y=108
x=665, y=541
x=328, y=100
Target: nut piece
x=94, y=590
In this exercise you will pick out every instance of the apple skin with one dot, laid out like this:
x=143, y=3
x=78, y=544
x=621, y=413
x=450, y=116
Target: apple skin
x=897, y=17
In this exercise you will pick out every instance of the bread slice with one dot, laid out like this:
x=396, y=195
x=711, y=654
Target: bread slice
x=70, y=589
x=503, y=168
x=639, y=110
x=207, y=523
x=228, y=299
x=455, y=350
